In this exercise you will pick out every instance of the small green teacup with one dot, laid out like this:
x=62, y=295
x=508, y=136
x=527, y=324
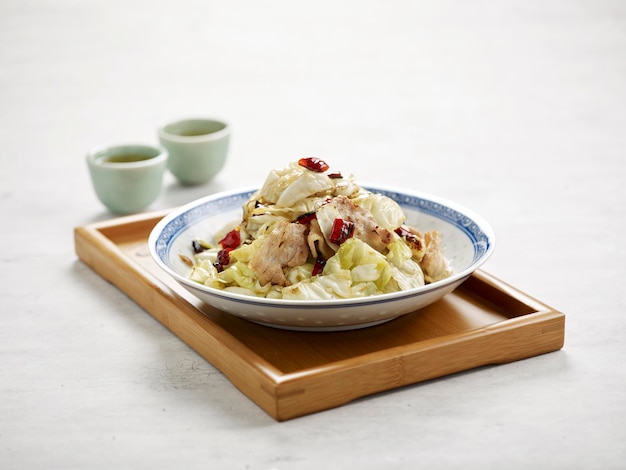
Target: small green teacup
x=197, y=148
x=127, y=178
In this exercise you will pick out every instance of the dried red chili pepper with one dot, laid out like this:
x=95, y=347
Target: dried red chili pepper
x=319, y=266
x=306, y=218
x=402, y=231
x=314, y=164
x=231, y=240
x=222, y=259
x=341, y=231
x=197, y=247
x=405, y=233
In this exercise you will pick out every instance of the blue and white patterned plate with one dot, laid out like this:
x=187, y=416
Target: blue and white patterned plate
x=467, y=243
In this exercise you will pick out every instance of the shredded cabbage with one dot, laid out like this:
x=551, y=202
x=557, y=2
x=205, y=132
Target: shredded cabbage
x=287, y=186
x=386, y=211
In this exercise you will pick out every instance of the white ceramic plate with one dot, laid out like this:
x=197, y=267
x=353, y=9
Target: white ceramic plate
x=467, y=243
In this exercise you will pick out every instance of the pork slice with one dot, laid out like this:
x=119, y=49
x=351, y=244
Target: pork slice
x=433, y=263
x=365, y=226
x=285, y=246
x=415, y=241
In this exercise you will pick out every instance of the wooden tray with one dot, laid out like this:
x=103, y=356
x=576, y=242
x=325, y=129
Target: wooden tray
x=290, y=374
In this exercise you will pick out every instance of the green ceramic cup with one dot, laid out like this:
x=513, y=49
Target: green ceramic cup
x=127, y=178
x=197, y=148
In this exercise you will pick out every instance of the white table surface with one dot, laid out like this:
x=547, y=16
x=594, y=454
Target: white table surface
x=515, y=109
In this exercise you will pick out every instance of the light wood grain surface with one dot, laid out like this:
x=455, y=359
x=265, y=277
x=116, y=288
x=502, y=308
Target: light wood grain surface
x=291, y=374
x=515, y=109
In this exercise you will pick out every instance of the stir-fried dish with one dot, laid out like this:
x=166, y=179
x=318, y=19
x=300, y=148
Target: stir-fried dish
x=310, y=233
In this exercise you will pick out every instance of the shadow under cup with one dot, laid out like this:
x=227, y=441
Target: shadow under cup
x=197, y=148
x=127, y=178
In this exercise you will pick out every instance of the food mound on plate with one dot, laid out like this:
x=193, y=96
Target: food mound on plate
x=310, y=233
